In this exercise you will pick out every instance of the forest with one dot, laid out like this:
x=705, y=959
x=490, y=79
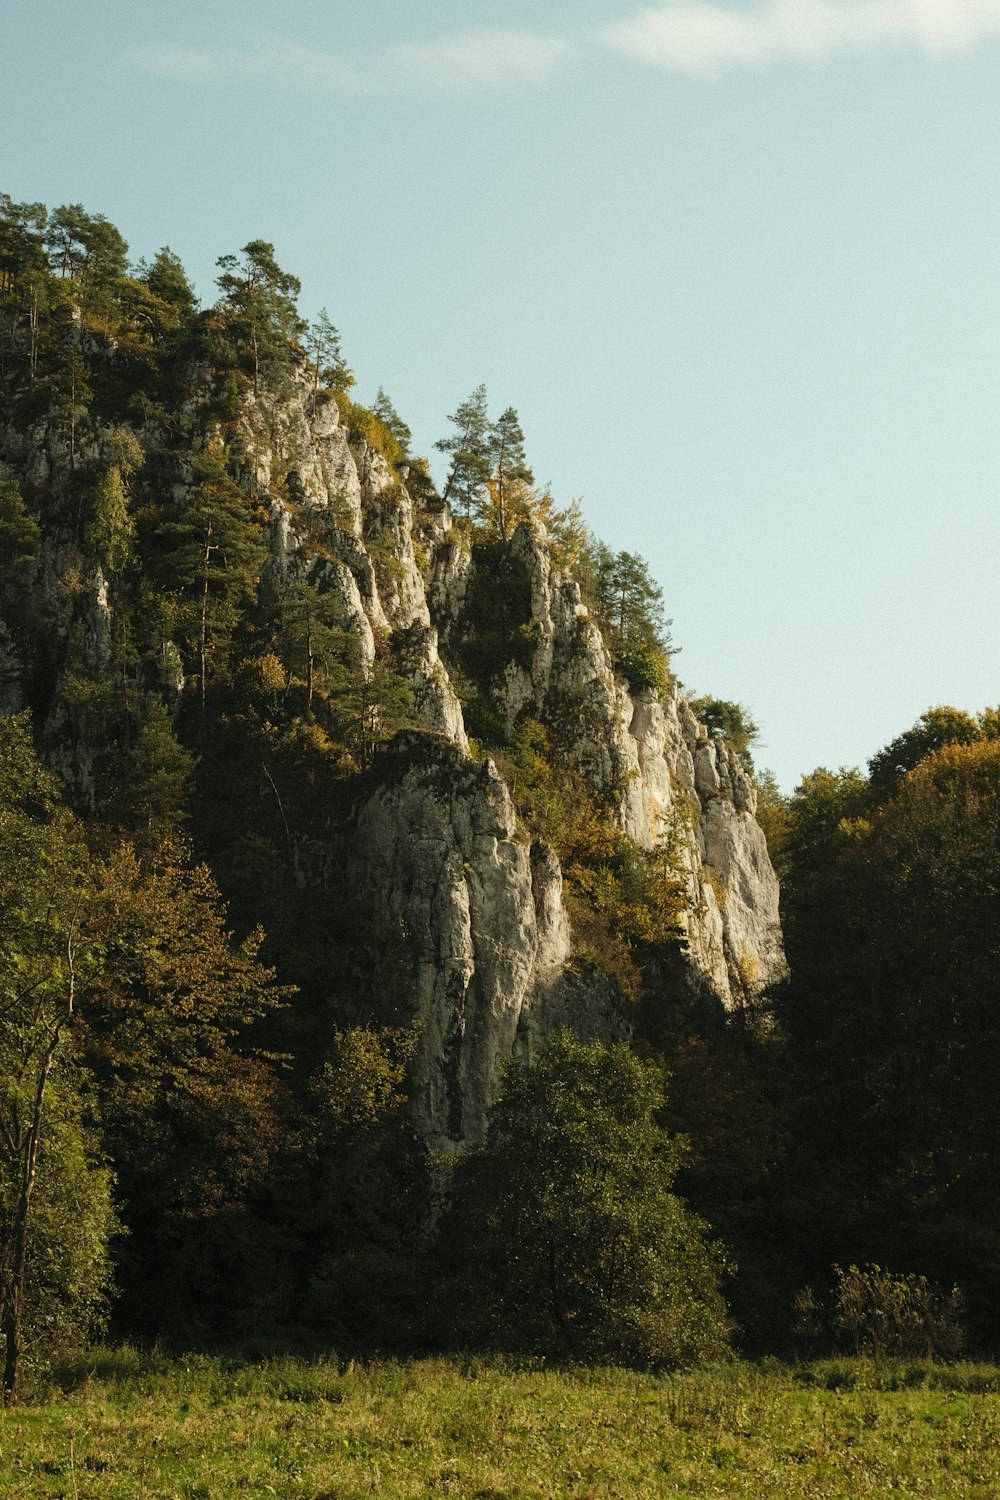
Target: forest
x=208, y=1048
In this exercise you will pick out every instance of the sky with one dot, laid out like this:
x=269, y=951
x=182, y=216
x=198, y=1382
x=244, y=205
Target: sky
x=736, y=265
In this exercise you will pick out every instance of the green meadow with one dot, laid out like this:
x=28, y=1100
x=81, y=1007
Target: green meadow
x=129, y=1427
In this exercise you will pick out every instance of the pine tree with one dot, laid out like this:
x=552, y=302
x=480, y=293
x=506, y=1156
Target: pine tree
x=508, y=464
x=469, y=447
x=19, y=538
x=390, y=418
x=110, y=530
x=314, y=640
x=211, y=557
x=329, y=366
x=259, y=300
x=25, y=287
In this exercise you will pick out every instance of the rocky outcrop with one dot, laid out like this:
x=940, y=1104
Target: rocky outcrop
x=674, y=787
x=299, y=446
x=469, y=919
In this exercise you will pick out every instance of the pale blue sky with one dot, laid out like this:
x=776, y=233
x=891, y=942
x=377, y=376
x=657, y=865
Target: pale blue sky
x=737, y=266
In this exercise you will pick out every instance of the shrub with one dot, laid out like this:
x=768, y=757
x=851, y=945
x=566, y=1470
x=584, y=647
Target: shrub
x=878, y=1312
x=364, y=424
x=644, y=665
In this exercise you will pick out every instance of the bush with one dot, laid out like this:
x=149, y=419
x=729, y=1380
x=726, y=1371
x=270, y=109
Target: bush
x=364, y=424
x=644, y=665
x=877, y=1312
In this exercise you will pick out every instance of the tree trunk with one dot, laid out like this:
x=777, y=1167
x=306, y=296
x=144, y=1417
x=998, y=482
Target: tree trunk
x=202, y=643
x=206, y=558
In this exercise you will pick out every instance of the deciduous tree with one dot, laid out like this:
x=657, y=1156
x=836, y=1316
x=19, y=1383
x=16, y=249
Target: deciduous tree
x=55, y=1208
x=189, y=1103
x=566, y=1232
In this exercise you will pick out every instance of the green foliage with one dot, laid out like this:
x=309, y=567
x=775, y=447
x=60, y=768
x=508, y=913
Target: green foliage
x=210, y=555
x=110, y=530
x=374, y=705
x=727, y=721
x=19, y=541
x=773, y=817
x=495, y=629
x=822, y=815
x=625, y=902
x=468, y=447
x=259, y=305
x=323, y=348
x=168, y=282
x=568, y=536
x=644, y=665
x=69, y=1286
x=19, y=532
x=190, y=1106
x=565, y=1236
x=489, y=475
x=509, y=472
x=318, y=648
x=936, y=727
x=628, y=605
x=157, y=778
x=86, y=248
x=895, y=958
x=362, y=1211
x=640, y=895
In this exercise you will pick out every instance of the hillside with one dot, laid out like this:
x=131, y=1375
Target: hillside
x=426, y=747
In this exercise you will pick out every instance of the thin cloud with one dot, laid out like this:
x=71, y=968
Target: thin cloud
x=185, y=64
x=264, y=55
x=697, y=38
x=459, y=63
x=480, y=59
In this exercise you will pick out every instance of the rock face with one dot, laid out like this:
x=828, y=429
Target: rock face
x=436, y=850
x=467, y=912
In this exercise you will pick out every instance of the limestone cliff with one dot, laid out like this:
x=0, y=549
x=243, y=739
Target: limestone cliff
x=465, y=912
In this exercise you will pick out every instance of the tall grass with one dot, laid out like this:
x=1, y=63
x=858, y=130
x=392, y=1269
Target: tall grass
x=122, y=1425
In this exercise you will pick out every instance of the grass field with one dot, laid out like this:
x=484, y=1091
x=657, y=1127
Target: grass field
x=126, y=1427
